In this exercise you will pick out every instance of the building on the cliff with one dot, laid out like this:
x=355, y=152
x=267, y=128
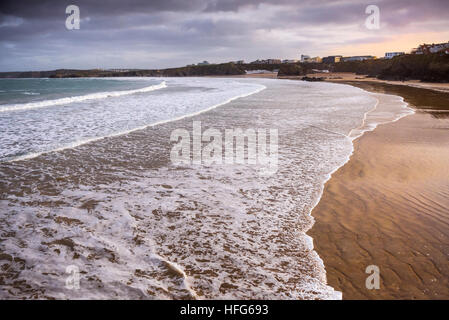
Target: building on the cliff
x=332, y=59
x=204, y=63
x=267, y=61
x=308, y=59
x=439, y=47
x=315, y=60
x=357, y=58
x=390, y=55
x=431, y=48
x=304, y=58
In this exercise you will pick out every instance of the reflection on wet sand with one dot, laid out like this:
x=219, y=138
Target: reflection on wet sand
x=388, y=206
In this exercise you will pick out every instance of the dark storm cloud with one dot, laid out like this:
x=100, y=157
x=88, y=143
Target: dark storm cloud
x=160, y=33
x=307, y=10
x=52, y=8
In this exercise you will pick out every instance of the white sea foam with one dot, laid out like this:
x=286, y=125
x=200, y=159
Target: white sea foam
x=31, y=93
x=393, y=108
x=70, y=100
x=204, y=106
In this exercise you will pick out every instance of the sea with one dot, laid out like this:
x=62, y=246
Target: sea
x=92, y=205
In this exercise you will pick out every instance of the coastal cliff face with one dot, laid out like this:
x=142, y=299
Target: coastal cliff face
x=292, y=70
x=428, y=67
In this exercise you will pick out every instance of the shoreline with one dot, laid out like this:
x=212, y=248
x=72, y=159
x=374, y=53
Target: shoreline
x=243, y=235
x=359, y=221
x=347, y=77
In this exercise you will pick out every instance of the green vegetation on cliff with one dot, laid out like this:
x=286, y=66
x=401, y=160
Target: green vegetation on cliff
x=427, y=67
x=292, y=70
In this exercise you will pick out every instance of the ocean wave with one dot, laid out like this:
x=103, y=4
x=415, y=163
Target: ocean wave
x=31, y=93
x=394, y=108
x=68, y=100
x=77, y=143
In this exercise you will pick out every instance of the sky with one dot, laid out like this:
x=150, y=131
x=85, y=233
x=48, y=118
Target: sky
x=170, y=33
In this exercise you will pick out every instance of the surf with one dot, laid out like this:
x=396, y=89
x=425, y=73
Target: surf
x=73, y=99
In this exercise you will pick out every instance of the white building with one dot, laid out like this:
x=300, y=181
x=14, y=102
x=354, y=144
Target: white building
x=389, y=55
x=431, y=48
x=439, y=47
x=304, y=58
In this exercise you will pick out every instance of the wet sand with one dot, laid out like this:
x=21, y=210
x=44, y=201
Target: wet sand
x=389, y=205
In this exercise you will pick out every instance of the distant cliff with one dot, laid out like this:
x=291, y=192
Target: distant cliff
x=426, y=67
x=223, y=69
x=206, y=70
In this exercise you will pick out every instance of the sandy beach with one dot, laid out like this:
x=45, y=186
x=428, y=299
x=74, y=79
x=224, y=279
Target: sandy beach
x=348, y=76
x=388, y=206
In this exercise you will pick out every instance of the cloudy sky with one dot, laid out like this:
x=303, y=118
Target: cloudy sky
x=169, y=33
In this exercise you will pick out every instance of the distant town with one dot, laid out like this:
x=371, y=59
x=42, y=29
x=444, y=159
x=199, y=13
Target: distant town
x=421, y=49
